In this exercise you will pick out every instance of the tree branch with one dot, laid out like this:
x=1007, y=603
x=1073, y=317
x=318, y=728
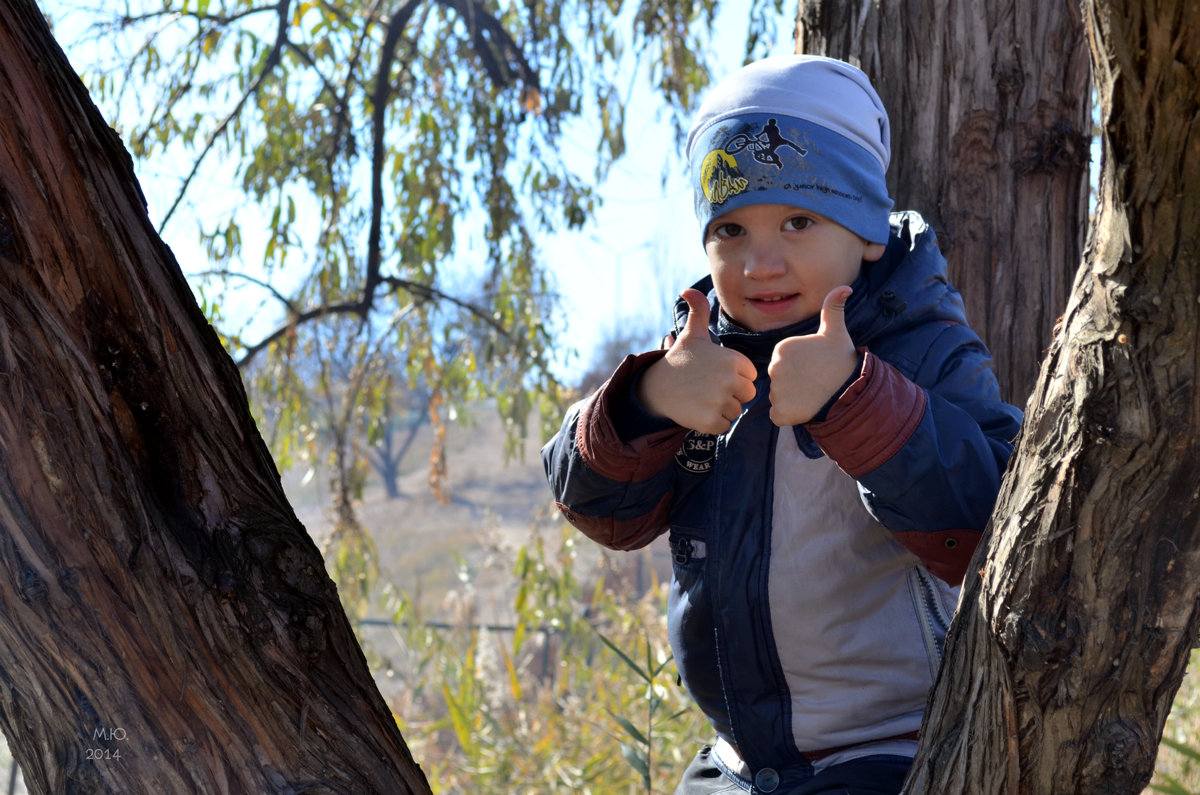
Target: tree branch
x=379, y=101
x=344, y=308
x=227, y=274
x=432, y=293
x=125, y=20
x=360, y=308
x=269, y=64
x=500, y=55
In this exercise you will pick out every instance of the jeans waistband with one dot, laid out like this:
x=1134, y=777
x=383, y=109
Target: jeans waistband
x=730, y=762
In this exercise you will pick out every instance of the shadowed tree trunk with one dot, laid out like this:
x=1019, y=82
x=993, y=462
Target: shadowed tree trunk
x=166, y=624
x=988, y=101
x=1074, y=634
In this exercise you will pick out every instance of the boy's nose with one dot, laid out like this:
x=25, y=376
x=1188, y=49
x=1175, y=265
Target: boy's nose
x=764, y=261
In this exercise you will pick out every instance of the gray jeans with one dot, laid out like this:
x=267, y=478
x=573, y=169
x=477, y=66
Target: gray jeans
x=868, y=775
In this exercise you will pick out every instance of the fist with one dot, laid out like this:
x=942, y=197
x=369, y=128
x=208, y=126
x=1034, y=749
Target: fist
x=698, y=384
x=807, y=371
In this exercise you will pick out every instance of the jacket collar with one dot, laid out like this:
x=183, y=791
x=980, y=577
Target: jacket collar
x=759, y=346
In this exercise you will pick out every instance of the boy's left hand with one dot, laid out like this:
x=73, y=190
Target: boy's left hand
x=806, y=371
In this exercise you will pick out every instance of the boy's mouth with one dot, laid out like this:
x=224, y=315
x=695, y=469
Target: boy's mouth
x=776, y=305
x=768, y=300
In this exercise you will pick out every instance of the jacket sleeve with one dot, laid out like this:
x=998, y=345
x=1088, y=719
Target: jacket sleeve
x=616, y=492
x=928, y=452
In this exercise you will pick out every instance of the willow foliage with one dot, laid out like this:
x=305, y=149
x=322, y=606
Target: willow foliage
x=395, y=164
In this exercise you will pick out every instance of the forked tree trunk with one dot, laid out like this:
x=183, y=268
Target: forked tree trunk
x=1074, y=633
x=166, y=624
x=988, y=101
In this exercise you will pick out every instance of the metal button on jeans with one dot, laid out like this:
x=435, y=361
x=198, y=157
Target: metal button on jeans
x=766, y=779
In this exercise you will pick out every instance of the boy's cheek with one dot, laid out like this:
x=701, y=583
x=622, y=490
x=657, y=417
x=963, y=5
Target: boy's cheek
x=723, y=297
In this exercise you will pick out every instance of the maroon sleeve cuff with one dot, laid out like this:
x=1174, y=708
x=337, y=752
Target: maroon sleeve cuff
x=945, y=553
x=599, y=443
x=872, y=419
x=622, y=534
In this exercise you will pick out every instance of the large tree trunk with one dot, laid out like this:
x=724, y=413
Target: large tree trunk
x=989, y=107
x=1073, y=636
x=166, y=624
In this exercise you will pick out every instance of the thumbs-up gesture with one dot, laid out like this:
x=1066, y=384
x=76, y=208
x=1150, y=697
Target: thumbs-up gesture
x=806, y=371
x=698, y=384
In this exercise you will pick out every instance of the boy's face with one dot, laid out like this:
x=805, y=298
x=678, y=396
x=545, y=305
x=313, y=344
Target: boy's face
x=772, y=264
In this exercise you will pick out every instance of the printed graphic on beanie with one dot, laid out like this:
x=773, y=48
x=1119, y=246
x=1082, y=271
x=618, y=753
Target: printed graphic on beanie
x=764, y=145
x=720, y=176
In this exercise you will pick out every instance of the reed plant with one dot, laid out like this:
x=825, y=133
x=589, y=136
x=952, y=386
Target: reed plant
x=578, y=694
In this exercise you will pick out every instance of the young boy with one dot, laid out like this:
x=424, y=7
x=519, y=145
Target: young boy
x=823, y=440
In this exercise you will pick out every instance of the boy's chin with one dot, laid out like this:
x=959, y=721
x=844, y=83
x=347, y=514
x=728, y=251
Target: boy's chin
x=758, y=324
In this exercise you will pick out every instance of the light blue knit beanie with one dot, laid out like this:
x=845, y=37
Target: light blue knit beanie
x=800, y=130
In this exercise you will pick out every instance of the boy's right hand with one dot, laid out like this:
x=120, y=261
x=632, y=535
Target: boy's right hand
x=698, y=384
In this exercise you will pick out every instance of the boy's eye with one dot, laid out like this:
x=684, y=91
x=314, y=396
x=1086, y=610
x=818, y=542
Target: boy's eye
x=799, y=222
x=726, y=230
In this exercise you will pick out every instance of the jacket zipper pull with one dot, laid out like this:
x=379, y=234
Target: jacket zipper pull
x=681, y=551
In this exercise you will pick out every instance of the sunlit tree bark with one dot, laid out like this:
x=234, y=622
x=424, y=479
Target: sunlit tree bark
x=989, y=108
x=166, y=624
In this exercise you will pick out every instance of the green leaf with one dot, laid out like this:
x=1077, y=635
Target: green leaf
x=637, y=760
x=458, y=718
x=630, y=729
x=625, y=657
x=1183, y=748
x=1172, y=786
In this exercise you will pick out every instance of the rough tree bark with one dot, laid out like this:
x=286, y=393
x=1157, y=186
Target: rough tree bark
x=990, y=111
x=1074, y=633
x=166, y=624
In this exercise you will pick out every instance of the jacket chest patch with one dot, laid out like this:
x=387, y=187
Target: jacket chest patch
x=697, y=453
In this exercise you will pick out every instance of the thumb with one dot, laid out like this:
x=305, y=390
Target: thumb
x=698, y=312
x=833, y=312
